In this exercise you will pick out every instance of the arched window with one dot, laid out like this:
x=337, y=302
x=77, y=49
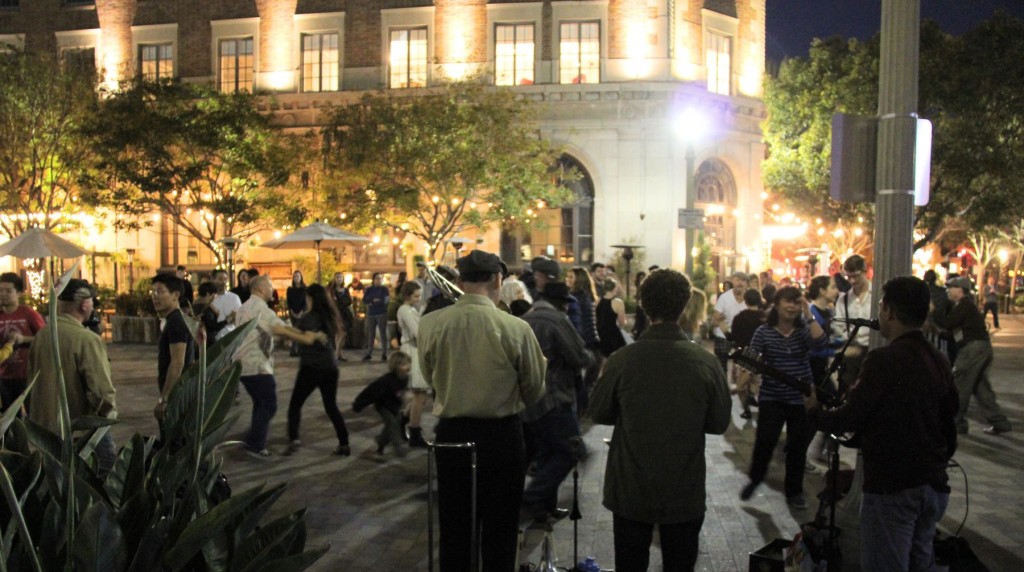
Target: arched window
x=716, y=194
x=566, y=233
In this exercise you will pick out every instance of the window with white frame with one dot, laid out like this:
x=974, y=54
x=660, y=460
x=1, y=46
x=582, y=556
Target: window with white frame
x=513, y=54
x=156, y=61
x=236, y=65
x=718, y=59
x=579, y=50
x=320, y=62
x=408, y=58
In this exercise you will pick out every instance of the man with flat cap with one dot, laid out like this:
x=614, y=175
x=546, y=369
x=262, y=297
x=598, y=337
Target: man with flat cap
x=83, y=356
x=485, y=367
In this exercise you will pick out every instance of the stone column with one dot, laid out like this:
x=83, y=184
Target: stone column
x=277, y=69
x=460, y=37
x=116, y=18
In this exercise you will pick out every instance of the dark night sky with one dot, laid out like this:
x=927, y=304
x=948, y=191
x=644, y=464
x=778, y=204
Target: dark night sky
x=792, y=24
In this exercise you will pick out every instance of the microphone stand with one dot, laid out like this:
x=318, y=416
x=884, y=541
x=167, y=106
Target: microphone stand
x=838, y=366
x=575, y=515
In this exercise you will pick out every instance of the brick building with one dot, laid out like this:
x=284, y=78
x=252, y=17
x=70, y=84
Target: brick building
x=622, y=85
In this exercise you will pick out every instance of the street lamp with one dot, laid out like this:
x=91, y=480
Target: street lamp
x=692, y=127
x=627, y=255
x=230, y=243
x=131, y=269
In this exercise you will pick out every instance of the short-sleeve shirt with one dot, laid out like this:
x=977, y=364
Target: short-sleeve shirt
x=728, y=304
x=225, y=304
x=175, y=331
x=318, y=355
x=257, y=350
x=24, y=321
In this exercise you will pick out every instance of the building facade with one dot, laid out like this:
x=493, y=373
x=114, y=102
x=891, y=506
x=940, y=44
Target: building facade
x=654, y=101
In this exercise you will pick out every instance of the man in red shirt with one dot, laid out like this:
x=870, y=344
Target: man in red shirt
x=18, y=323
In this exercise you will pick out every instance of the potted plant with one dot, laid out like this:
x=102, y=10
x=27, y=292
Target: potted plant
x=135, y=318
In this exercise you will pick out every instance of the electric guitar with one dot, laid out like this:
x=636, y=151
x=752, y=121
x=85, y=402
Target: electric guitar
x=752, y=360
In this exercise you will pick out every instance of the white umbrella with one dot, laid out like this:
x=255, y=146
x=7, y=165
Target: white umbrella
x=314, y=236
x=40, y=243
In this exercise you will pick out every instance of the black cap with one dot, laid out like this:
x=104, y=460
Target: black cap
x=479, y=261
x=558, y=291
x=546, y=266
x=76, y=290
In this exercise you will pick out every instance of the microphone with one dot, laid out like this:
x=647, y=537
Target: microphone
x=873, y=324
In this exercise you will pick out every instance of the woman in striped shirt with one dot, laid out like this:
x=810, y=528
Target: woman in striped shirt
x=785, y=343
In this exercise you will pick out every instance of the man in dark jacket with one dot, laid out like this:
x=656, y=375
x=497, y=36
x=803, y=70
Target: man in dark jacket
x=663, y=394
x=550, y=425
x=902, y=406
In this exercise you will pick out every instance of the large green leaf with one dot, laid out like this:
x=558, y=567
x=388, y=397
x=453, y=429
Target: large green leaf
x=43, y=438
x=99, y=544
x=251, y=517
x=15, y=507
x=206, y=526
x=128, y=475
x=90, y=422
x=295, y=562
x=268, y=543
x=15, y=407
x=152, y=547
x=135, y=517
x=51, y=535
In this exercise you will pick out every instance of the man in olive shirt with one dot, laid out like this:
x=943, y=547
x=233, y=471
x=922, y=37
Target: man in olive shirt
x=83, y=357
x=662, y=394
x=485, y=366
x=973, y=357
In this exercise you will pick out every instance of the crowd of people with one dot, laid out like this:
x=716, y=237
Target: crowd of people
x=515, y=364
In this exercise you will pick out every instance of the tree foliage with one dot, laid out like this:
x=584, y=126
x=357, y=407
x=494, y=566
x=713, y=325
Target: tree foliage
x=41, y=155
x=438, y=163
x=208, y=159
x=971, y=88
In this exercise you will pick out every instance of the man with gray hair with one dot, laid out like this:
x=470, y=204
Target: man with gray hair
x=90, y=390
x=728, y=305
x=257, y=357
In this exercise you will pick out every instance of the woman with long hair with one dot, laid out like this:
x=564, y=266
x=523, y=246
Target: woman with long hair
x=694, y=314
x=343, y=300
x=409, y=325
x=784, y=342
x=611, y=318
x=581, y=286
x=318, y=369
x=295, y=298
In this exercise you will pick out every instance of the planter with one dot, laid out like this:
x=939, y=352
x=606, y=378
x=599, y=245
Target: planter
x=135, y=329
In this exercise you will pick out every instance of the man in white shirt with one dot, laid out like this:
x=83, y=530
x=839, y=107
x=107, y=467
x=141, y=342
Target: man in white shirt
x=853, y=304
x=726, y=307
x=226, y=303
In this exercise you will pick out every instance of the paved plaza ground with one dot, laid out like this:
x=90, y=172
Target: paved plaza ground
x=373, y=513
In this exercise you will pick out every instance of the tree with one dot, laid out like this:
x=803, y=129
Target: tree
x=437, y=163
x=41, y=156
x=209, y=160
x=971, y=88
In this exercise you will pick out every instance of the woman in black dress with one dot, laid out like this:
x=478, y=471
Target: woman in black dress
x=343, y=301
x=296, y=300
x=611, y=318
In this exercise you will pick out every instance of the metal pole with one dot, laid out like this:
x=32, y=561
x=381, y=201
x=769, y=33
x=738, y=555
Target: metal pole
x=691, y=199
x=897, y=111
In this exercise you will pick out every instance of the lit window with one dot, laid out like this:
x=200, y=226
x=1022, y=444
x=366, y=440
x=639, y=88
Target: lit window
x=156, y=61
x=719, y=56
x=513, y=54
x=408, y=58
x=236, y=65
x=579, y=52
x=320, y=60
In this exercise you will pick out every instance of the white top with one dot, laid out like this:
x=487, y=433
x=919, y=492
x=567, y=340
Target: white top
x=728, y=304
x=224, y=304
x=860, y=307
x=257, y=350
x=409, y=324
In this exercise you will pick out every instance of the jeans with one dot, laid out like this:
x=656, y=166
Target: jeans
x=375, y=324
x=770, y=419
x=551, y=438
x=326, y=380
x=970, y=375
x=633, y=544
x=263, y=390
x=994, y=308
x=897, y=529
x=10, y=389
x=501, y=473
x=391, y=432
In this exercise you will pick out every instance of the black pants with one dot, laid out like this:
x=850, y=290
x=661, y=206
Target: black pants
x=770, y=419
x=994, y=308
x=633, y=544
x=326, y=380
x=10, y=389
x=501, y=473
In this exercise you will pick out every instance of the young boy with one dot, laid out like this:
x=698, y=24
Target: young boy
x=385, y=394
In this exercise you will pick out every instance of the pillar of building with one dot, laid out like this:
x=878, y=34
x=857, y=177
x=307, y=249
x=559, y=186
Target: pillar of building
x=460, y=32
x=115, y=19
x=278, y=70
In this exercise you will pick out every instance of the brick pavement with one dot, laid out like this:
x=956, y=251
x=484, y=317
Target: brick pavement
x=373, y=513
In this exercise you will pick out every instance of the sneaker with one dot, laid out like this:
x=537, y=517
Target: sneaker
x=384, y=357
x=995, y=430
x=748, y=491
x=745, y=415
x=262, y=454
x=293, y=447
x=343, y=451
x=367, y=358
x=812, y=469
x=798, y=501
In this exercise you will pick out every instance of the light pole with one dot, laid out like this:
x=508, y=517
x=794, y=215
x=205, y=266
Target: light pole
x=692, y=126
x=230, y=243
x=627, y=255
x=131, y=269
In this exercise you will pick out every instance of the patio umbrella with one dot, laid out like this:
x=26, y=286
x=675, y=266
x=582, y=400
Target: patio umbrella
x=40, y=243
x=314, y=236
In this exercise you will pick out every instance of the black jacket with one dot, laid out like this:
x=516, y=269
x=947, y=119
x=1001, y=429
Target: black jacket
x=566, y=355
x=384, y=392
